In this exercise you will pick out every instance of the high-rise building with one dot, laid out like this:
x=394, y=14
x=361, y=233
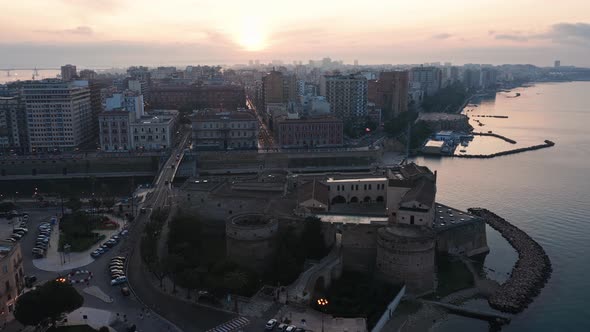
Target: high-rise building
x=68, y=73
x=390, y=93
x=430, y=78
x=87, y=74
x=279, y=88
x=13, y=125
x=557, y=64
x=59, y=114
x=347, y=95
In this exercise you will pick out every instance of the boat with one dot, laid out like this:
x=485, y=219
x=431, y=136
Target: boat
x=462, y=151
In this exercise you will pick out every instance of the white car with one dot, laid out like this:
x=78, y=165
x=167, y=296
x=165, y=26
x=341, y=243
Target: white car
x=118, y=281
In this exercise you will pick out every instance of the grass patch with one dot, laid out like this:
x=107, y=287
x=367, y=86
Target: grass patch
x=78, y=243
x=359, y=294
x=77, y=231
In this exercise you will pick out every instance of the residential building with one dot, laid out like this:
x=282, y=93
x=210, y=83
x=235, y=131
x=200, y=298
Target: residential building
x=12, y=279
x=59, y=114
x=184, y=96
x=155, y=131
x=87, y=74
x=488, y=78
x=430, y=78
x=131, y=101
x=68, y=73
x=13, y=125
x=115, y=130
x=278, y=87
x=347, y=95
x=390, y=93
x=308, y=132
x=224, y=130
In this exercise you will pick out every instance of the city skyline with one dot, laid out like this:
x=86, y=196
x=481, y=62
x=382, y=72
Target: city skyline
x=118, y=33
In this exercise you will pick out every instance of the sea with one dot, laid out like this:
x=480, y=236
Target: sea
x=25, y=75
x=546, y=193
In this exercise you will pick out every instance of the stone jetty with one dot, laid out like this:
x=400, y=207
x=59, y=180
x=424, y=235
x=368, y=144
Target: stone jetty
x=530, y=273
x=511, y=141
x=547, y=144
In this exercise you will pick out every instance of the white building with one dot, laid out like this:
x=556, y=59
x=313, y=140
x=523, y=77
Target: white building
x=129, y=100
x=59, y=114
x=347, y=95
x=155, y=131
x=114, y=130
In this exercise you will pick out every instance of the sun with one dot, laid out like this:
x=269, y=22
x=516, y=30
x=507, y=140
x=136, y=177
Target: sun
x=252, y=37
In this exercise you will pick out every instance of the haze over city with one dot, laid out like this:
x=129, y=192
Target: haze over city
x=116, y=33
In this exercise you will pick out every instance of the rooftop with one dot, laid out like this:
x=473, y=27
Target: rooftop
x=446, y=217
x=332, y=180
x=215, y=115
x=353, y=219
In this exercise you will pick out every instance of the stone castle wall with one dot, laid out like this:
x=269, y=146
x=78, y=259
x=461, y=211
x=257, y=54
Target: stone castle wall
x=251, y=239
x=467, y=238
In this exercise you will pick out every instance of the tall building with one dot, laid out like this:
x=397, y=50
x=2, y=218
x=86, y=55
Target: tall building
x=87, y=74
x=557, y=64
x=59, y=114
x=140, y=80
x=390, y=93
x=347, y=95
x=129, y=100
x=13, y=125
x=279, y=88
x=225, y=130
x=68, y=73
x=12, y=279
x=430, y=78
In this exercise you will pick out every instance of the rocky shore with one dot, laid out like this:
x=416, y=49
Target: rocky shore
x=530, y=273
x=547, y=144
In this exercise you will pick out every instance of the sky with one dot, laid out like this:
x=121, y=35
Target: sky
x=112, y=33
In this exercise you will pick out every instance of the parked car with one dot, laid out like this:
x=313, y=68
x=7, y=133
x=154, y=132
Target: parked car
x=283, y=327
x=16, y=236
x=13, y=240
x=122, y=258
x=124, y=232
x=118, y=281
x=299, y=329
x=95, y=254
x=271, y=324
x=29, y=281
x=290, y=328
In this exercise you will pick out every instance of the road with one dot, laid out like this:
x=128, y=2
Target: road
x=187, y=316
x=266, y=140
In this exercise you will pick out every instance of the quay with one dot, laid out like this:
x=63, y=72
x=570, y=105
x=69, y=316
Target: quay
x=547, y=144
x=491, y=116
x=474, y=313
x=530, y=273
x=511, y=141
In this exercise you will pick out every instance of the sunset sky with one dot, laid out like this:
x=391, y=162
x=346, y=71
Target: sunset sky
x=176, y=32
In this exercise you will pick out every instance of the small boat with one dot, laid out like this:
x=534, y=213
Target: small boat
x=462, y=151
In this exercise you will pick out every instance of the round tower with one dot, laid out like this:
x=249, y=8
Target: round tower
x=250, y=239
x=406, y=254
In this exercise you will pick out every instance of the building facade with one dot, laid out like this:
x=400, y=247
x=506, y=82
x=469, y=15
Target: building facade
x=68, y=73
x=115, y=130
x=430, y=78
x=11, y=278
x=13, y=125
x=155, y=131
x=181, y=96
x=279, y=88
x=390, y=93
x=59, y=114
x=326, y=131
x=129, y=100
x=347, y=95
x=224, y=130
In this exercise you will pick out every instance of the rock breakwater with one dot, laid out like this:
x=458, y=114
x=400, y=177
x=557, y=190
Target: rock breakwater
x=530, y=273
x=547, y=144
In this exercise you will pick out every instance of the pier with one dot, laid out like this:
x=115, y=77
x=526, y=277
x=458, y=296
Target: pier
x=491, y=116
x=547, y=144
x=511, y=141
x=530, y=273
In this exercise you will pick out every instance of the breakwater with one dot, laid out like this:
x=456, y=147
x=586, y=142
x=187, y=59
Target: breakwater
x=547, y=144
x=511, y=141
x=491, y=116
x=530, y=273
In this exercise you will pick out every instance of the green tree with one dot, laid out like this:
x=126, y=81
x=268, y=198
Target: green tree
x=313, y=242
x=174, y=265
x=104, y=329
x=74, y=204
x=7, y=206
x=190, y=279
x=235, y=280
x=47, y=302
x=159, y=270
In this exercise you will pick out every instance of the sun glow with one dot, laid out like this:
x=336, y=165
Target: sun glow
x=252, y=37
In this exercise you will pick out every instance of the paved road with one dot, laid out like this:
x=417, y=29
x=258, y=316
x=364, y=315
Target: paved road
x=187, y=316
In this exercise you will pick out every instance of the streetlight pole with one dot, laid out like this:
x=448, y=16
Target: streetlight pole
x=322, y=303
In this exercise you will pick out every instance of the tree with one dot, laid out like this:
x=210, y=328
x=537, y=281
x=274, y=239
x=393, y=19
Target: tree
x=104, y=329
x=314, y=246
x=158, y=269
x=7, y=206
x=95, y=203
x=74, y=204
x=47, y=302
x=108, y=202
x=189, y=279
x=174, y=265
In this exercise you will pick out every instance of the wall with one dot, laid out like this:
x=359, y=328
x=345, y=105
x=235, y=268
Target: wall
x=389, y=311
x=468, y=238
x=251, y=246
x=359, y=246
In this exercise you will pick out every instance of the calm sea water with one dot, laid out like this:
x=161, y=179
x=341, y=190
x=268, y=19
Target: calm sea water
x=546, y=193
x=25, y=75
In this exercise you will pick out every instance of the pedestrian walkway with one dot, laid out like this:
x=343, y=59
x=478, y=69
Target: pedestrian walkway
x=232, y=325
x=97, y=292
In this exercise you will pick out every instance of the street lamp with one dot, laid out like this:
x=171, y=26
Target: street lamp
x=322, y=303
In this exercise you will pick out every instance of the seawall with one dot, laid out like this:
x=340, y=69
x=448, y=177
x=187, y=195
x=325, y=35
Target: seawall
x=511, y=141
x=547, y=144
x=530, y=273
